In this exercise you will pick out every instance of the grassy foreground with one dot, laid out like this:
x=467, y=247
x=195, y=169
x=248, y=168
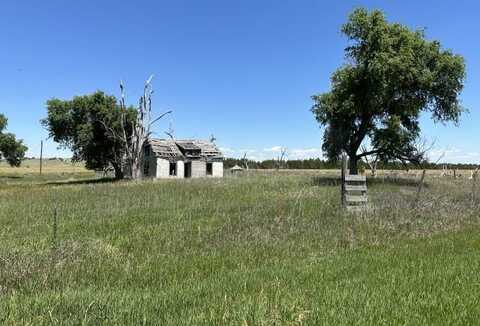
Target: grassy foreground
x=272, y=248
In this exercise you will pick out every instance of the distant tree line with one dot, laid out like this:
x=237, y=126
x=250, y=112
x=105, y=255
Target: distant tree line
x=317, y=164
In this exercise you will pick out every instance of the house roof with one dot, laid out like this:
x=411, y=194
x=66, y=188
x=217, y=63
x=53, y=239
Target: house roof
x=180, y=148
x=187, y=145
x=208, y=148
x=165, y=148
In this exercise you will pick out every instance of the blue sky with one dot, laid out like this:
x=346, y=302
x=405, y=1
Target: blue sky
x=242, y=70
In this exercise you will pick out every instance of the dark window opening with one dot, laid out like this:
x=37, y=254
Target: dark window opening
x=147, y=150
x=173, y=168
x=209, y=168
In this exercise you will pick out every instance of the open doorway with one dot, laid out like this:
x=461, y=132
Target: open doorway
x=209, y=168
x=173, y=169
x=188, y=169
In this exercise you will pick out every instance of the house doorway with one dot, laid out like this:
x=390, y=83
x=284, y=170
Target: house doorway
x=209, y=168
x=188, y=169
x=173, y=169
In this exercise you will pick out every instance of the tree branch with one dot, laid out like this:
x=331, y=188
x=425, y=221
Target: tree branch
x=161, y=116
x=375, y=151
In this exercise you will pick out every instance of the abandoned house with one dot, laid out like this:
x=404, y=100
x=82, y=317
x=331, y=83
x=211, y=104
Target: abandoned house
x=167, y=158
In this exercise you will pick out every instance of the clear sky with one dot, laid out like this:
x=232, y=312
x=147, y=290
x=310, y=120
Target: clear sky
x=242, y=70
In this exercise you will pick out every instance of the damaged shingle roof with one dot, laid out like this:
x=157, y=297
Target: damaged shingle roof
x=168, y=148
x=164, y=148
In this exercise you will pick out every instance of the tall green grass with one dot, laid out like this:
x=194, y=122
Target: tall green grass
x=272, y=248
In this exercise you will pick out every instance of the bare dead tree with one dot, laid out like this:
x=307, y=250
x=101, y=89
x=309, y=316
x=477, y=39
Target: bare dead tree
x=281, y=158
x=473, y=174
x=424, y=150
x=135, y=140
x=474, y=178
x=444, y=170
x=245, y=161
x=170, y=132
x=212, y=139
x=371, y=160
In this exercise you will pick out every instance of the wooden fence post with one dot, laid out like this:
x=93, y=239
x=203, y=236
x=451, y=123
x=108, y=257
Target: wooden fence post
x=344, y=174
x=420, y=187
x=474, y=185
x=41, y=156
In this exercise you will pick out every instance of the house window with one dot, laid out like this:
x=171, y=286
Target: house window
x=209, y=168
x=146, y=168
x=173, y=169
x=147, y=151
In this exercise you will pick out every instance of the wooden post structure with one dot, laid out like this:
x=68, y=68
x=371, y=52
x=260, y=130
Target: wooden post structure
x=344, y=174
x=41, y=156
x=420, y=187
x=354, y=189
x=474, y=185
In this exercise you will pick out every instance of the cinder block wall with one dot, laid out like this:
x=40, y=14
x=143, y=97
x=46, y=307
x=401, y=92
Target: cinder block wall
x=180, y=169
x=217, y=169
x=163, y=168
x=199, y=169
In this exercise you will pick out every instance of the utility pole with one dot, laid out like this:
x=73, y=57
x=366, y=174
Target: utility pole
x=41, y=156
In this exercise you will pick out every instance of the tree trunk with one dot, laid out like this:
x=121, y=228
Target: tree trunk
x=353, y=164
x=136, y=169
x=118, y=171
x=373, y=167
x=133, y=167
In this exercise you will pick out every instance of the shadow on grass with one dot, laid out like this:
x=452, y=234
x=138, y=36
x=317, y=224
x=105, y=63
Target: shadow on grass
x=326, y=180
x=83, y=181
x=404, y=182
x=11, y=177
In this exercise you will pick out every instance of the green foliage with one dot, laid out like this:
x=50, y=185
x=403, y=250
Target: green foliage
x=87, y=125
x=392, y=74
x=11, y=149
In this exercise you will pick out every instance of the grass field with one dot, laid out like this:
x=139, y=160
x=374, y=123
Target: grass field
x=260, y=249
x=52, y=169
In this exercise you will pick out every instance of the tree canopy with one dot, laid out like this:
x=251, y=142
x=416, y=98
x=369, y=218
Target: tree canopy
x=86, y=124
x=391, y=75
x=11, y=149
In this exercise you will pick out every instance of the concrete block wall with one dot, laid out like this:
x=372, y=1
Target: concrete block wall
x=199, y=169
x=180, y=169
x=217, y=169
x=163, y=168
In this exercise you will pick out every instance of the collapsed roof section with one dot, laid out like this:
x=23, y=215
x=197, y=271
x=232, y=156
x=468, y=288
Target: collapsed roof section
x=184, y=149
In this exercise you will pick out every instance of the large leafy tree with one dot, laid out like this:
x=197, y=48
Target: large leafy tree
x=391, y=75
x=85, y=125
x=11, y=149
